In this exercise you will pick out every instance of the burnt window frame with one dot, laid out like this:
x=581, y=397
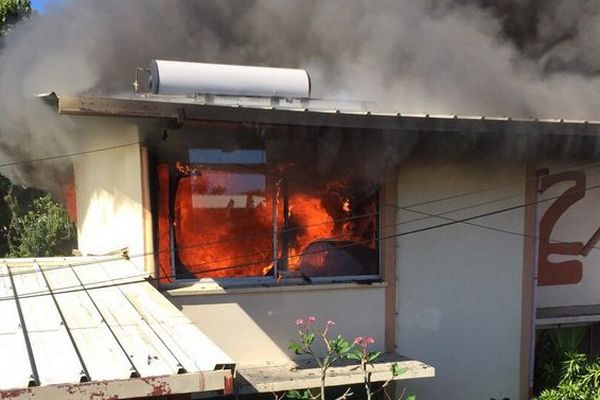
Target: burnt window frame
x=272, y=280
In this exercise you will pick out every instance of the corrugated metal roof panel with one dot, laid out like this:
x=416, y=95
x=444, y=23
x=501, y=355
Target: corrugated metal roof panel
x=50, y=341
x=18, y=372
x=76, y=320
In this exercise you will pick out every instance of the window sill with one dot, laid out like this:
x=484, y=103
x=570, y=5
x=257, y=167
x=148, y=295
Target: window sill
x=211, y=288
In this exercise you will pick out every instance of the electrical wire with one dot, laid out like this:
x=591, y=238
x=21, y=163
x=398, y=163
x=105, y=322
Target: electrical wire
x=466, y=220
x=425, y=215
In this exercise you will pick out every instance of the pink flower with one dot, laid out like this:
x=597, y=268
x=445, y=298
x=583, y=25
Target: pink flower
x=363, y=341
x=299, y=322
x=330, y=322
x=311, y=319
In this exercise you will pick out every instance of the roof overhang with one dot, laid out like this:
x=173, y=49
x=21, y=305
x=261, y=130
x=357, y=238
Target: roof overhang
x=182, y=109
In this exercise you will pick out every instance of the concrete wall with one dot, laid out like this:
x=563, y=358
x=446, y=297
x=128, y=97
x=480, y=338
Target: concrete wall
x=109, y=190
x=459, y=287
x=255, y=326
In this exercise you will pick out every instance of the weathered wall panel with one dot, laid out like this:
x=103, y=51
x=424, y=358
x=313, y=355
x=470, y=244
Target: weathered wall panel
x=108, y=184
x=459, y=287
x=256, y=328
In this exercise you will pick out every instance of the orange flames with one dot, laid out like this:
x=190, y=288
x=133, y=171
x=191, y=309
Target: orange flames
x=223, y=229
x=309, y=221
x=221, y=240
x=69, y=198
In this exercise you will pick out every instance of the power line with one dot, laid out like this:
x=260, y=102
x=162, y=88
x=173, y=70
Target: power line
x=426, y=215
x=451, y=222
x=406, y=208
x=70, y=155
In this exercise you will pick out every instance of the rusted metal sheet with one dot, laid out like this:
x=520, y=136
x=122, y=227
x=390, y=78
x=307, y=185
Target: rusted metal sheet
x=108, y=107
x=126, y=388
x=82, y=327
x=306, y=374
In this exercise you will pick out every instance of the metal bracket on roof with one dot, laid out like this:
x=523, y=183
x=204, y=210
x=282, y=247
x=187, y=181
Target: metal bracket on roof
x=50, y=98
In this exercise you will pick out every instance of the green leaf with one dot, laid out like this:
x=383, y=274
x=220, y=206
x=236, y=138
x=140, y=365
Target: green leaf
x=411, y=397
x=372, y=356
x=295, y=347
x=340, y=346
x=397, y=370
x=308, y=339
x=355, y=355
x=293, y=394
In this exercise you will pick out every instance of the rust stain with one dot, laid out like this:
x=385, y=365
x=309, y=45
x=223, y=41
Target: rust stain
x=14, y=394
x=159, y=387
x=202, y=382
x=228, y=387
x=98, y=395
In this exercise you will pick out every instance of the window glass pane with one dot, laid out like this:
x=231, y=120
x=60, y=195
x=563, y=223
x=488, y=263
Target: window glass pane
x=331, y=230
x=222, y=222
x=230, y=214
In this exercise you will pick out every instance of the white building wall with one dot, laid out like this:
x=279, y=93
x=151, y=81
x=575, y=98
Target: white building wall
x=108, y=187
x=255, y=326
x=459, y=286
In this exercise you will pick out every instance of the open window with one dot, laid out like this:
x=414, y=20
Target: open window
x=238, y=215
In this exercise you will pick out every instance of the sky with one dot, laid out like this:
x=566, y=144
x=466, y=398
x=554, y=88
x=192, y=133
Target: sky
x=39, y=5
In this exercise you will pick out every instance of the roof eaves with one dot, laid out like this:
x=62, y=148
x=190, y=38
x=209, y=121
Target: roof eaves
x=181, y=111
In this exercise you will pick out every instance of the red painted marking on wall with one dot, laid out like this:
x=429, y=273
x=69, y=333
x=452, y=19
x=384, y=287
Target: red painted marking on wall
x=563, y=272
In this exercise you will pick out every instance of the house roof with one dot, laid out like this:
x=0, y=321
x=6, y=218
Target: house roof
x=303, y=112
x=77, y=326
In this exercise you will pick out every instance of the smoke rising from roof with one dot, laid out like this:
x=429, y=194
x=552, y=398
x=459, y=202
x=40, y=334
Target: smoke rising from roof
x=525, y=58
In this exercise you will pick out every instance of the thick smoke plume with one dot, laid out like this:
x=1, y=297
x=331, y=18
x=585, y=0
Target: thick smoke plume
x=528, y=58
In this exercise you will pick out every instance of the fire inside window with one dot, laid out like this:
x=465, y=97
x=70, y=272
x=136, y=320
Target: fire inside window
x=235, y=215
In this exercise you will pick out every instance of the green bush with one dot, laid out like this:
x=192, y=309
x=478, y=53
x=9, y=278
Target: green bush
x=44, y=230
x=579, y=379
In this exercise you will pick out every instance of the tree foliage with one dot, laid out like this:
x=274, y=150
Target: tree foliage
x=11, y=12
x=32, y=224
x=562, y=372
x=579, y=380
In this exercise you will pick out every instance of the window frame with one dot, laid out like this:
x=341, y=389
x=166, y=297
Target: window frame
x=268, y=281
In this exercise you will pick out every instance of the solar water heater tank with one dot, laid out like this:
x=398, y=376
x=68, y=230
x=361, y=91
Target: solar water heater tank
x=189, y=78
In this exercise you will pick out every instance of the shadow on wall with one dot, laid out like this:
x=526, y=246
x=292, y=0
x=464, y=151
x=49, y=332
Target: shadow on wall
x=256, y=328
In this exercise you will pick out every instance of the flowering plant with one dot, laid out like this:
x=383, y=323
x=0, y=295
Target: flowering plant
x=337, y=348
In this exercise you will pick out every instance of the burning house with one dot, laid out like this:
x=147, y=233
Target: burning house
x=249, y=203
x=454, y=229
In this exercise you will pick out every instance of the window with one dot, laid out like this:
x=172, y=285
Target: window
x=236, y=214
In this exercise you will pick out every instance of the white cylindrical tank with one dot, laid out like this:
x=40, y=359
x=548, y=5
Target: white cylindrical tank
x=187, y=78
